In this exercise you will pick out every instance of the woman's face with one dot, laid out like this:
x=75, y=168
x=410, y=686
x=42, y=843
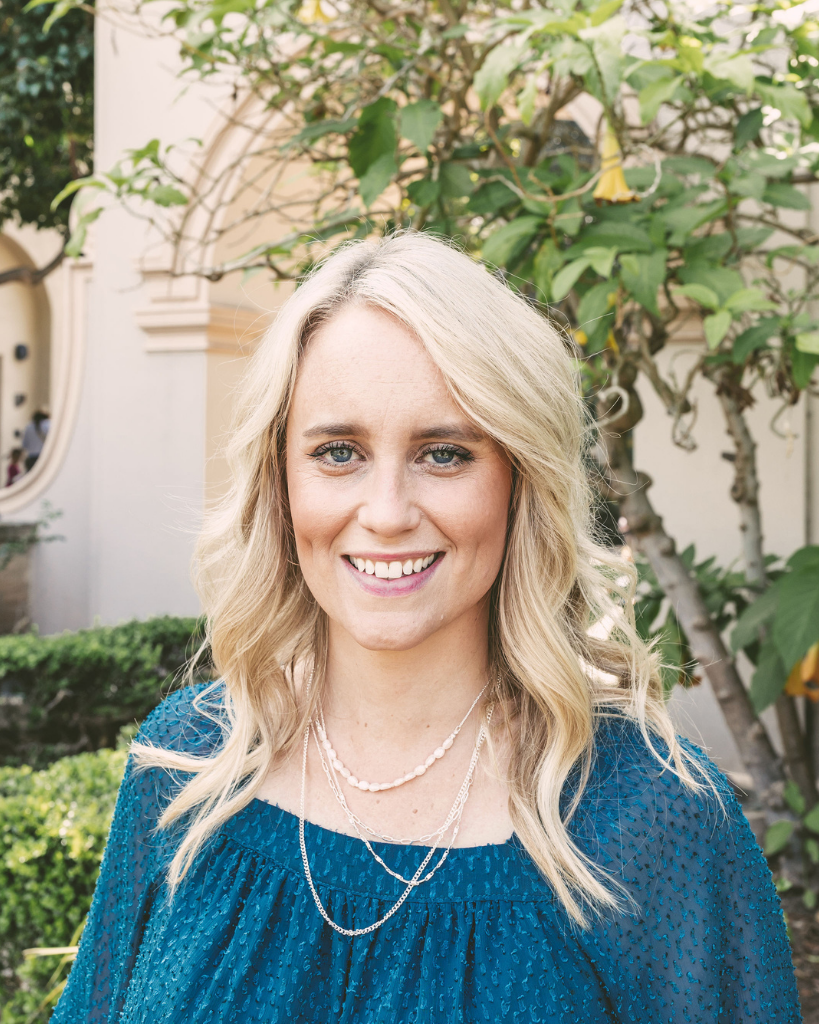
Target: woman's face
x=399, y=502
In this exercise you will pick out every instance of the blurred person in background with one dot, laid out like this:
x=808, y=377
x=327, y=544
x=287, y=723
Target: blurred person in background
x=14, y=468
x=34, y=437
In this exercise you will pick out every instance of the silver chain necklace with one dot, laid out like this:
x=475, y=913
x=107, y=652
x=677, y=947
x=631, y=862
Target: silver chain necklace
x=416, y=878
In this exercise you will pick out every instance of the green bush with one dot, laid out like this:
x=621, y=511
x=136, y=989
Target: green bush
x=53, y=827
x=72, y=692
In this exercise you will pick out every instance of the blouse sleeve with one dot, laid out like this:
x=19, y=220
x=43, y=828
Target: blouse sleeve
x=706, y=940
x=134, y=859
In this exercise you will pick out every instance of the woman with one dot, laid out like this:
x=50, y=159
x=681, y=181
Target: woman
x=427, y=789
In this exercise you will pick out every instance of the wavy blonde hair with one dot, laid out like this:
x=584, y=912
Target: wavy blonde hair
x=511, y=373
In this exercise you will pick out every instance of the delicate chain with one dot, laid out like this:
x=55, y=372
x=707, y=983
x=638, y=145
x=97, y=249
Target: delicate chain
x=353, y=932
x=377, y=787
x=455, y=814
x=460, y=799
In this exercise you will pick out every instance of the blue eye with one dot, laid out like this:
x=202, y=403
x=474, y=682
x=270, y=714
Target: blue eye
x=447, y=455
x=340, y=455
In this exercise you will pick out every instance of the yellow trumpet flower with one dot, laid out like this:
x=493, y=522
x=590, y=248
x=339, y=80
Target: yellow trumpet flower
x=612, y=187
x=804, y=678
x=312, y=11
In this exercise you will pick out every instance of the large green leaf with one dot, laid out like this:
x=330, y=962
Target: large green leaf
x=747, y=300
x=374, y=137
x=493, y=75
x=789, y=101
x=376, y=178
x=716, y=327
x=757, y=615
x=754, y=338
x=655, y=94
x=642, y=274
x=777, y=837
x=769, y=679
x=419, y=122
x=778, y=193
x=565, y=279
x=700, y=293
x=808, y=341
x=796, y=626
x=748, y=127
x=508, y=240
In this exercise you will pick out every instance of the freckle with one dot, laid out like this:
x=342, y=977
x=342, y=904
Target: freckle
x=415, y=811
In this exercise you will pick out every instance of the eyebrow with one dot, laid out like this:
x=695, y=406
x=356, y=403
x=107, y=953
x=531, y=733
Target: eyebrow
x=444, y=431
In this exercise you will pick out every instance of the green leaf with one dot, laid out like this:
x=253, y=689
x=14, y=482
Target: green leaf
x=618, y=234
x=723, y=281
x=605, y=11
x=166, y=195
x=737, y=68
x=716, y=327
x=642, y=274
x=802, y=366
x=793, y=797
x=455, y=179
x=811, y=821
x=548, y=259
x=318, y=129
x=423, y=192
x=419, y=122
x=812, y=848
x=374, y=137
x=594, y=313
x=510, y=239
x=491, y=198
x=566, y=278
x=769, y=679
x=700, y=293
x=754, y=338
x=746, y=300
x=790, y=102
x=689, y=166
x=758, y=614
x=376, y=178
x=809, y=898
x=748, y=127
x=655, y=94
x=796, y=626
x=526, y=100
x=777, y=837
x=808, y=342
x=601, y=260
x=778, y=193
x=807, y=556
x=493, y=75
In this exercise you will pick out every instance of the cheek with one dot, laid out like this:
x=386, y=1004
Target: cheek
x=317, y=515
x=477, y=521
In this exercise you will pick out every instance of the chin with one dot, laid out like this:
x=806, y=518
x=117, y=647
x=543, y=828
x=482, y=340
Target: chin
x=389, y=637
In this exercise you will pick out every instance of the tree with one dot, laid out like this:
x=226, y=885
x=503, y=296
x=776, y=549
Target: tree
x=678, y=209
x=46, y=117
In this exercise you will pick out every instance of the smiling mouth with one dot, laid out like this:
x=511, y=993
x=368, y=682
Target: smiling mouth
x=394, y=570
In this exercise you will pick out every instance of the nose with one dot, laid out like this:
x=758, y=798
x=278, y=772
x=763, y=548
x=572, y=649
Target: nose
x=388, y=506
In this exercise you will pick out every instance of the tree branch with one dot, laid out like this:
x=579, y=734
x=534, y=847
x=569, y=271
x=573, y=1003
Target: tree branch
x=31, y=275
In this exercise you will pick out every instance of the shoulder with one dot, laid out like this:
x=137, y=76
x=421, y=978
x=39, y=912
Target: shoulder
x=635, y=800
x=190, y=721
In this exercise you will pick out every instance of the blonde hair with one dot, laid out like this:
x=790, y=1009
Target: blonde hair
x=511, y=373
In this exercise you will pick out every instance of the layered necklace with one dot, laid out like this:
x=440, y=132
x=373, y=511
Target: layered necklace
x=336, y=771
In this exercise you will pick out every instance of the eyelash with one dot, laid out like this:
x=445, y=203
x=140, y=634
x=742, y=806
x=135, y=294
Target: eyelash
x=462, y=456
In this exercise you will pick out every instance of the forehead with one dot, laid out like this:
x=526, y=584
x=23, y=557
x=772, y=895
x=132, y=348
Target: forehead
x=366, y=358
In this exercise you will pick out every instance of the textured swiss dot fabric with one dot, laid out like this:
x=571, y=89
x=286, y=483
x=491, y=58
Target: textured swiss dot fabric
x=484, y=941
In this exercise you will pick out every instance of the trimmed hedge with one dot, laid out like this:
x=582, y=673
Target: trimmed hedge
x=71, y=692
x=53, y=828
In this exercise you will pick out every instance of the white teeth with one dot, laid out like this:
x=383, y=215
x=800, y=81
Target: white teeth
x=391, y=570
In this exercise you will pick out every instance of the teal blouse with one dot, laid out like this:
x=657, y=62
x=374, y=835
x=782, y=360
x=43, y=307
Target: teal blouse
x=484, y=941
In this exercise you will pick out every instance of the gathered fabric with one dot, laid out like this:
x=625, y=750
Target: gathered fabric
x=485, y=940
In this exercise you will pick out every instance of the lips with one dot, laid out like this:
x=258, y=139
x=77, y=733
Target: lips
x=392, y=569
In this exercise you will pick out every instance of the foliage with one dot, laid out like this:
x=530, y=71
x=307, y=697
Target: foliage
x=21, y=539
x=726, y=595
x=74, y=691
x=780, y=632
x=447, y=119
x=53, y=827
x=46, y=110
x=792, y=847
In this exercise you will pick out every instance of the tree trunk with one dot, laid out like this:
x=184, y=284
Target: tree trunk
x=644, y=530
x=745, y=492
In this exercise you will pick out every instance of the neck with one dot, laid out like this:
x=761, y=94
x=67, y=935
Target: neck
x=398, y=696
